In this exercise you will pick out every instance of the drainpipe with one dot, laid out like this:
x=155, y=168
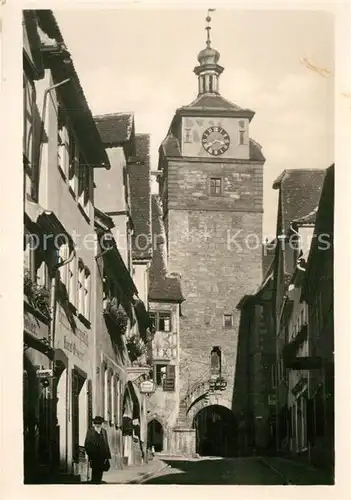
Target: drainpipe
x=42, y=128
x=52, y=331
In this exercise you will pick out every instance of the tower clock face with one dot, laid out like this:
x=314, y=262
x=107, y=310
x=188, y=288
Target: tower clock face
x=215, y=141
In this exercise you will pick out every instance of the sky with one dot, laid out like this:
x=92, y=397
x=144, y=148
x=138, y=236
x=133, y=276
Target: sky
x=142, y=60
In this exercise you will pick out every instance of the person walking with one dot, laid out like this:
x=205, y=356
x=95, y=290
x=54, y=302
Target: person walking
x=98, y=450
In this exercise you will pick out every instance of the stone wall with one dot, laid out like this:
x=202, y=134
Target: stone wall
x=215, y=245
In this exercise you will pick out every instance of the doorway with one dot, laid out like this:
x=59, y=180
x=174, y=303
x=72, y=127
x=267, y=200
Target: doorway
x=155, y=435
x=216, y=431
x=79, y=413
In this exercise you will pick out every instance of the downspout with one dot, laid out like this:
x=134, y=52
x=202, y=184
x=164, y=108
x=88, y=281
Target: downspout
x=98, y=275
x=42, y=128
x=51, y=338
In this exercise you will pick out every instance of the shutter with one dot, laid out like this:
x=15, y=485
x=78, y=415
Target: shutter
x=169, y=382
x=86, y=184
x=290, y=423
x=90, y=402
x=310, y=420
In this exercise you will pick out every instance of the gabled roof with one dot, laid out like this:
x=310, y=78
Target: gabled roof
x=140, y=196
x=300, y=191
x=115, y=128
x=170, y=146
x=163, y=287
x=58, y=58
x=215, y=103
x=324, y=225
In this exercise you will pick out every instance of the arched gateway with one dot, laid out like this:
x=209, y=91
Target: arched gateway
x=216, y=431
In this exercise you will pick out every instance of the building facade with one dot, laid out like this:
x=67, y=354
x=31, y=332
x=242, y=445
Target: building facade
x=123, y=352
x=62, y=148
x=87, y=332
x=165, y=299
x=254, y=388
x=299, y=193
x=211, y=194
x=318, y=293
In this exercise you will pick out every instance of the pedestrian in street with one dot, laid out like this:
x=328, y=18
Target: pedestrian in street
x=98, y=450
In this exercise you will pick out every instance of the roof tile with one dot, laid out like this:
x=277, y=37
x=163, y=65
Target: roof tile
x=140, y=194
x=300, y=193
x=115, y=128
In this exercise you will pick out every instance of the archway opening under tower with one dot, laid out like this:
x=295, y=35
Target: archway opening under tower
x=216, y=431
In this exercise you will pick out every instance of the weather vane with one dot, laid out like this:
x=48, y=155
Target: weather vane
x=208, y=27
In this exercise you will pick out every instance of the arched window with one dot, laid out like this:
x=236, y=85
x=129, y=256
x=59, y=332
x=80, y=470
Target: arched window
x=216, y=361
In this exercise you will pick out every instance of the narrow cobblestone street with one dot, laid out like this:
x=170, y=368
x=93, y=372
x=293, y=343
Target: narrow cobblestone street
x=237, y=471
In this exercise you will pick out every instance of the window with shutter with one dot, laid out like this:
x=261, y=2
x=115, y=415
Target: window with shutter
x=30, y=138
x=86, y=184
x=164, y=322
x=160, y=374
x=81, y=177
x=169, y=381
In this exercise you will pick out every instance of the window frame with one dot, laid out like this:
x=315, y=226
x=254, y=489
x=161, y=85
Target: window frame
x=63, y=145
x=156, y=317
x=242, y=137
x=72, y=281
x=159, y=366
x=213, y=192
x=28, y=140
x=80, y=287
x=225, y=326
x=30, y=251
x=164, y=383
x=87, y=292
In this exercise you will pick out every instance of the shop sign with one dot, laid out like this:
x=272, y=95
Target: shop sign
x=147, y=387
x=34, y=326
x=44, y=373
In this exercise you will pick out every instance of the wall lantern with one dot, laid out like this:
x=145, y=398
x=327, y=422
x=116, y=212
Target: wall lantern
x=218, y=384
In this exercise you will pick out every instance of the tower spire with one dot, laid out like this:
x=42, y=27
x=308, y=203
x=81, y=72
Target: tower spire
x=208, y=71
x=208, y=27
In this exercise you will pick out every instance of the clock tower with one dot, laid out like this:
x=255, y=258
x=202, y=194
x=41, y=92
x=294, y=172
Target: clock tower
x=211, y=190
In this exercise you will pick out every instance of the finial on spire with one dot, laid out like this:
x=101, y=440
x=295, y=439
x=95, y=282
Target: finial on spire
x=208, y=27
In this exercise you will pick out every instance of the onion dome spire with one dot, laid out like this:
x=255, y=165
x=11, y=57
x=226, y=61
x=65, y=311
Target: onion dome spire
x=208, y=70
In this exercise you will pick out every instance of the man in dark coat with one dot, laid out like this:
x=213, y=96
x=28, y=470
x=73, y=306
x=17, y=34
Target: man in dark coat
x=98, y=450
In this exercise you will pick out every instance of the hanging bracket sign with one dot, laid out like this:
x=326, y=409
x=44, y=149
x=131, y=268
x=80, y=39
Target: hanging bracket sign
x=147, y=387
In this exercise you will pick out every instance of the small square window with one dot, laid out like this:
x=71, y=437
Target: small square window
x=215, y=186
x=228, y=321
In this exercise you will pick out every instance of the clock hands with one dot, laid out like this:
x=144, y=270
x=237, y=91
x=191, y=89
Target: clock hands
x=216, y=140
